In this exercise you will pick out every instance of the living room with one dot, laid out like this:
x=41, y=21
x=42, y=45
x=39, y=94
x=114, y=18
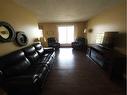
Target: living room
x=88, y=19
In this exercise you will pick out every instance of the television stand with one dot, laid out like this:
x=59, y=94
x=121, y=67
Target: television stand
x=109, y=60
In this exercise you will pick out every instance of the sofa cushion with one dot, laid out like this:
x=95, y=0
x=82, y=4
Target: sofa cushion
x=31, y=54
x=14, y=64
x=39, y=48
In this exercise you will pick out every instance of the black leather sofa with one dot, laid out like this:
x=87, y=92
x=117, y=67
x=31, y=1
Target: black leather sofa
x=23, y=72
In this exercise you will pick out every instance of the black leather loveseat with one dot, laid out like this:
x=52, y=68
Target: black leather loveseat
x=24, y=71
x=52, y=42
x=80, y=44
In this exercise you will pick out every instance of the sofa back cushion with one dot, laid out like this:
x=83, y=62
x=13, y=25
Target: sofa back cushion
x=31, y=54
x=14, y=63
x=39, y=48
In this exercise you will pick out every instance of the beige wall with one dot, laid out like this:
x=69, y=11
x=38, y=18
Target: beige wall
x=21, y=20
x=112, y=19
x=50, y=29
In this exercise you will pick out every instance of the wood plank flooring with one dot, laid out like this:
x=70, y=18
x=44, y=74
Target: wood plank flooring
x=75, y=74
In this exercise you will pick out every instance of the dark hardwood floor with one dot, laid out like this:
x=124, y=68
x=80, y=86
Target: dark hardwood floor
x=75, y=74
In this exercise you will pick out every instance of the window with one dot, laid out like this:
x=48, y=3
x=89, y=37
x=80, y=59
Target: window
x=99, y=37
x=66, y=34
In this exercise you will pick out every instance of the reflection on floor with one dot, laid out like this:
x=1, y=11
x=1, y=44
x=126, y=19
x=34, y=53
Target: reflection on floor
x=75, y=74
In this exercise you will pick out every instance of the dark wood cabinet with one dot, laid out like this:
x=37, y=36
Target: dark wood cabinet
x=109, y=60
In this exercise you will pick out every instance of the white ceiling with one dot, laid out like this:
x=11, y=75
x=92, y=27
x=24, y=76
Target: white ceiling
x=66, y=10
